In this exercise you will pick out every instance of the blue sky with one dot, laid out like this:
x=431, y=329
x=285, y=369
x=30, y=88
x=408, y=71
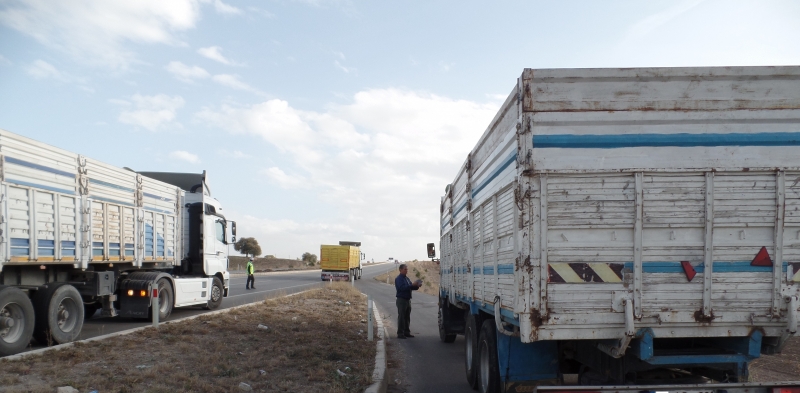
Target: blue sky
x=328, y=120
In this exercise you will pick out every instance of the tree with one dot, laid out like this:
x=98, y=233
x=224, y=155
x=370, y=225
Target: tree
x=309, y=258
x=248, y=246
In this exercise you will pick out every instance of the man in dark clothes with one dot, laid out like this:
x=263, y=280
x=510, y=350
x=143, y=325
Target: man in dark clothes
x=404, y=287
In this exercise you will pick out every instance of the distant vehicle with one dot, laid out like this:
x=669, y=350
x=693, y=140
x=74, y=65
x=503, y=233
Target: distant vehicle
x=340, y=263
x=630, y=227
x=79, y=236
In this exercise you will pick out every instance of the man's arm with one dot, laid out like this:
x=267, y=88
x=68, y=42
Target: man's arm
x=401, y=284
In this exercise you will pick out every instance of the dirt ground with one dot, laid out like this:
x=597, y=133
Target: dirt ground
x=426, y=271
x=269, y=264
x=310, y=338
x=782, y=367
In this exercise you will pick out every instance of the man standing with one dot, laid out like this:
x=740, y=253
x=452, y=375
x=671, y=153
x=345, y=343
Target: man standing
x=251, y=279
x=404, y=287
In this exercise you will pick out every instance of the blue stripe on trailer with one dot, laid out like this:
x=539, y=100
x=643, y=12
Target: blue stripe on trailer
x=592, y=141
x=500, y=168
x=158, y=210
x=719, y=267
x=505, y=269
x=459, y=209
x=110, y=185
x=40, y=186
x=488, y=270
x=31, y=165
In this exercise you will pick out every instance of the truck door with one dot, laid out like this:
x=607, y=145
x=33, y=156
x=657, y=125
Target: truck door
x=215, y=247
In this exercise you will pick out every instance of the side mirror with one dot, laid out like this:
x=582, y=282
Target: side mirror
x=363, y=256
x=431, y=250
x=233, y=239
x=233, y=228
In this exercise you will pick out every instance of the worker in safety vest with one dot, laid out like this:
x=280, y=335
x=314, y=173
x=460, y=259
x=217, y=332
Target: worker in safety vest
x=251, y=279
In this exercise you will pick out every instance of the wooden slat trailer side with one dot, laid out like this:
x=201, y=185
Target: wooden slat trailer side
x=626, y=225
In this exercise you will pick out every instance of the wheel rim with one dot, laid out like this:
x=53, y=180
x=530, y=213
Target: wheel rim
x=468, y=339
x=484, y=369
x=67, y=315
x=215, y=293
x=12, y=334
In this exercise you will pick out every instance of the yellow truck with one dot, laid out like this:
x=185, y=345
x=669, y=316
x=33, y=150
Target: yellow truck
x=338, y=263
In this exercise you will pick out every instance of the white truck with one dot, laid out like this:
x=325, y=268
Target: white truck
x=618, y=228
x=78, y=236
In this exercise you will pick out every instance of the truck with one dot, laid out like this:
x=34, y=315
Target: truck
x=341, y=262
x=78, y=235
x=619, y=228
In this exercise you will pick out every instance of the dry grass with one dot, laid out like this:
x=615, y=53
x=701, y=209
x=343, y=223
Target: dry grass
x=269, y=264
x=426, y=271
x=310, y=336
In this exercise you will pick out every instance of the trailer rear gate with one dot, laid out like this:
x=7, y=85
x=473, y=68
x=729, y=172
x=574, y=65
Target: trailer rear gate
x=661, y=186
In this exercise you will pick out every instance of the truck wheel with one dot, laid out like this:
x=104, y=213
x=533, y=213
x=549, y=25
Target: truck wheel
x=446, y=337
x=471, y=350
x=16, y=321
x=216, y=295
x=166, y=299
x=59, y=314
x=488, y=369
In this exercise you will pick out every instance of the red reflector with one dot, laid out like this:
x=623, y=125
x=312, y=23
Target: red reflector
x=689, y=270
x=762, y=258
x=155, y=292
x=786, y=389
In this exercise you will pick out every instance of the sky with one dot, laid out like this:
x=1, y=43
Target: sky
x=327, y=120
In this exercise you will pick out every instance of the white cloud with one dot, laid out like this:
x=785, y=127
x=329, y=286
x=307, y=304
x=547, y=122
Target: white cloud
x=185, y=156
x=652, y=22
x=285, y=181
x=385, y=149
x=152, y=112
x=41, y=69
x=4, y=60
x=215, y=53
x=346, y=70
x=233, y=82
x=223, y=8
x=186, y=73
x=97, y=32
x=446, y=66
x=233, y=154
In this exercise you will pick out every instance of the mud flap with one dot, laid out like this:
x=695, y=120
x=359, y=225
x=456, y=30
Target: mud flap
x=524, y=365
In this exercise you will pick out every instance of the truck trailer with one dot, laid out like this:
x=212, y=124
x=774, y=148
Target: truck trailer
x=78, y=236
x=619, y=228
x=342, y=262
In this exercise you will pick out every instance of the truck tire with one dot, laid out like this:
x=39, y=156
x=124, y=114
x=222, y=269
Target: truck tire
x=488, y=369
x=59, y=314
x=471, y=349
x=447, y=338
x=216, y=295
x=166, y=299
x=14, y=304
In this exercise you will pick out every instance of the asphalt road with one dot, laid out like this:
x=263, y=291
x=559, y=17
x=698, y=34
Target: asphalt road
x=431, y=365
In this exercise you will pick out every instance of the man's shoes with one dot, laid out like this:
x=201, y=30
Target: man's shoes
x=401, y=337
x=253, y=288
x=247, y=289
x=410, y=335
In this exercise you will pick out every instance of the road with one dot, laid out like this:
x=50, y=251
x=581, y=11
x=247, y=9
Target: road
x=431, y=365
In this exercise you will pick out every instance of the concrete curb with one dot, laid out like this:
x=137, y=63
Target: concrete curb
x=380, y=379
x=134, y=330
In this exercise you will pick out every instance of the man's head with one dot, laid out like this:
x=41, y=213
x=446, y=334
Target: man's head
x=251, y=259
x=403, y=269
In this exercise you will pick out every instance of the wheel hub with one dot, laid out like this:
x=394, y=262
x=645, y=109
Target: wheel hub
x=11, y=322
